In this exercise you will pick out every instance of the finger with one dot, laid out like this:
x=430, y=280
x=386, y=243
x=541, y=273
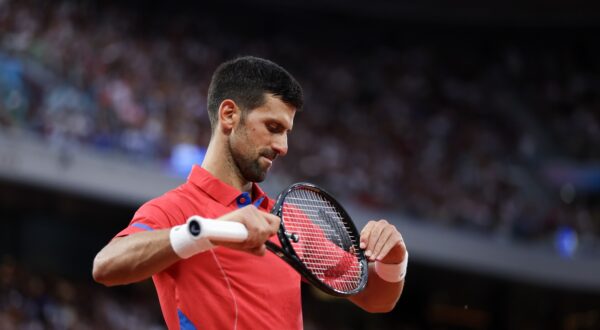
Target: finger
x=274, y=223
x=257, y=230
x=373, y=237
x=395, y=240
x=259, y=250
x=265, y=231
x=385, y=235
x=364, y=234
x=251, y=224
x=271, y=218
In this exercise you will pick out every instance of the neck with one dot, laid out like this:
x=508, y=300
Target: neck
x=219, y=162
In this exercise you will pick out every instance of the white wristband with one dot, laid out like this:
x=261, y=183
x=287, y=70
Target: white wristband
x=392, y=273
x=184, y=243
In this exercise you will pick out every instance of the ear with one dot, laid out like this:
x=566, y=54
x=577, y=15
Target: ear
x=229, y=116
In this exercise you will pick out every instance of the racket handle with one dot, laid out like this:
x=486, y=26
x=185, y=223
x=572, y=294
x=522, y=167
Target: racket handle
x=221, y=230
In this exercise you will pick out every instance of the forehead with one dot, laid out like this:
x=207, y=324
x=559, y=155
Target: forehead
x=275, y=109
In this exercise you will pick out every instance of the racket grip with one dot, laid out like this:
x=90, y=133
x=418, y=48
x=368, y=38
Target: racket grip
x=221, y=230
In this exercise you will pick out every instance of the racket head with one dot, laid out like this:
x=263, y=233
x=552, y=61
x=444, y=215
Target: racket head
x=319, y=239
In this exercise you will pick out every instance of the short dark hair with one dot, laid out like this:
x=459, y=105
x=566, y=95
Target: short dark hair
x=245, y=80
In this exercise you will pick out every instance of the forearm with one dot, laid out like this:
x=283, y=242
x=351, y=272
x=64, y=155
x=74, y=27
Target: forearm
x=379, y=296
x=384, y=246
x=134, y=258
x=138, y=256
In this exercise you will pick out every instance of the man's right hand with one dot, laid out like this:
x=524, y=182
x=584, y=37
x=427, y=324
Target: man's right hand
x=260, y=225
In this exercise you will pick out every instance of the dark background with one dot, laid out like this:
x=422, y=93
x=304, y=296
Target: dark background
x=49, y=235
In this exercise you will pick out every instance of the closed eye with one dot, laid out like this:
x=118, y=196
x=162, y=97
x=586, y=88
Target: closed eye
x=275, y=128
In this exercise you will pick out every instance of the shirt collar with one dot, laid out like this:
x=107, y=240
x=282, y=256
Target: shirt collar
x=219, y=190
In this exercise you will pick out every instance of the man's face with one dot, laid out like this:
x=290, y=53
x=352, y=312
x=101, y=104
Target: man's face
x=260, y=137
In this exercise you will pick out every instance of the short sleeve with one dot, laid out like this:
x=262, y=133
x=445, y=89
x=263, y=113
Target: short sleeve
x=148, y=217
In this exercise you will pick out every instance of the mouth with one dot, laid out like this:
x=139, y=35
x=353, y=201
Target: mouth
x=268, y=160
x=269, y=156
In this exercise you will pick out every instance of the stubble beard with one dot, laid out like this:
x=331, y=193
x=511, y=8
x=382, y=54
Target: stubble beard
x=247, y=165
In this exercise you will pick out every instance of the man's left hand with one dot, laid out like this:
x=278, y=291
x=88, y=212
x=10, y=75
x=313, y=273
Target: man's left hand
x=382, y=242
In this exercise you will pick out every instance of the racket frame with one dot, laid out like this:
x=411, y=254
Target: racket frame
x=289, y=255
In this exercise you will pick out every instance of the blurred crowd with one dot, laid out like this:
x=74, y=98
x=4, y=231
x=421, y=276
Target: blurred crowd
x=35, y=302
x=39, y=300
x=460, y=132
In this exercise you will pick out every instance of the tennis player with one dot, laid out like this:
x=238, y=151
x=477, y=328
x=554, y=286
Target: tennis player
x=210, y=284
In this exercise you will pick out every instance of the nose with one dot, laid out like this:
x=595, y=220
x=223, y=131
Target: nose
x=280, y=144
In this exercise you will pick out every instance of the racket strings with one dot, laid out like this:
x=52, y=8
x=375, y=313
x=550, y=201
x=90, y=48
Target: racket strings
x=326, y=245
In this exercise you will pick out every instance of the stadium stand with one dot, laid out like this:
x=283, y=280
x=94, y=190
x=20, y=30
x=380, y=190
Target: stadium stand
x=472, y=135
x=492, y=131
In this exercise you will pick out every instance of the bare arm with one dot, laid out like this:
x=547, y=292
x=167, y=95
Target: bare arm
x=134, y=258
x=381, y=242
x=138, y=256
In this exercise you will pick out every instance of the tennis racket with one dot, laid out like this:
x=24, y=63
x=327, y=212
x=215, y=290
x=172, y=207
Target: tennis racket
x=317, y=236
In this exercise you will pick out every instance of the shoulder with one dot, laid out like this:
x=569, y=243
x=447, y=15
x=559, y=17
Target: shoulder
x=173, y=204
